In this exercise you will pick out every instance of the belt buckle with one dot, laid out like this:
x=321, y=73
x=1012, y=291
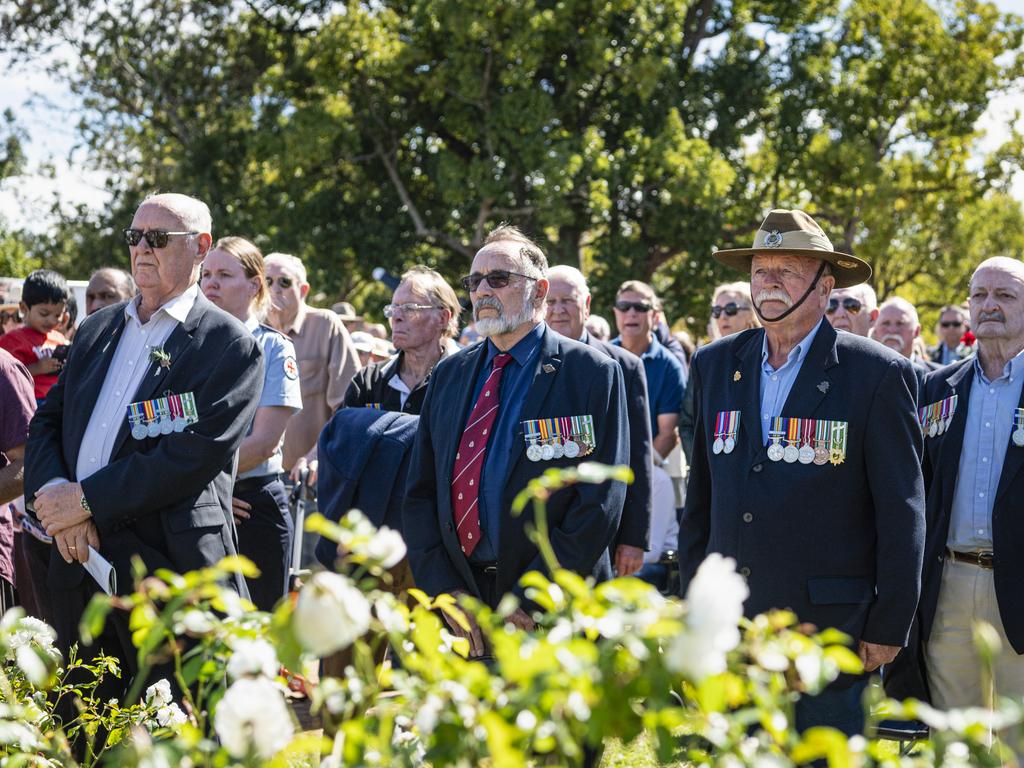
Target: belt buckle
x=986, y=560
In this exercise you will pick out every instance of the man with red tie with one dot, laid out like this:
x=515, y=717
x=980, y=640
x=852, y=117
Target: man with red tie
x=498, y=414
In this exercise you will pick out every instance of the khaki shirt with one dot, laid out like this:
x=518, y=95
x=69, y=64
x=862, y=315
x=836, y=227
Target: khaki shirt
x=327, y=362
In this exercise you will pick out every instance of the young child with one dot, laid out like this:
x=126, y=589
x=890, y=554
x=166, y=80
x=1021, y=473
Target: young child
x=44, y=298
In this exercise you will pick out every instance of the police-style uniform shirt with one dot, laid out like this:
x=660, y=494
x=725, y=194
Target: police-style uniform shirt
x=280, y=386
x=776, y=384
x=379, y=386
x=990, y=415
x=516, y=379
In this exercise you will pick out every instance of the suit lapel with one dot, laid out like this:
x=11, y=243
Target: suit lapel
x=544, y=374
x=748, y=365
x=157, y=375
x=1013, y=462
x=813, y=382
x=953, y=439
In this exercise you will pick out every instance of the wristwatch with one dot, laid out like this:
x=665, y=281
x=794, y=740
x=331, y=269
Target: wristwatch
x=85, y=505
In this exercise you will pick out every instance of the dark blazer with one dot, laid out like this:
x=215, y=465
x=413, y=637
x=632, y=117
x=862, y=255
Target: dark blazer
x=570, y=379
x=635, y=526
x=168, y=498
x=839, y=545
x=941, y=467
x=364, y=459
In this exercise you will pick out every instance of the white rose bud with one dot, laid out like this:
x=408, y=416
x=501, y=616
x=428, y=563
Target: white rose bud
x=253, y=714
x=386, y=547
x=252, y=658
x=331, y=613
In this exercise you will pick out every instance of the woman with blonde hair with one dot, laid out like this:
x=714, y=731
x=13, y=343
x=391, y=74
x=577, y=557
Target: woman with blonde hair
x=234, y=279
x=732, y=310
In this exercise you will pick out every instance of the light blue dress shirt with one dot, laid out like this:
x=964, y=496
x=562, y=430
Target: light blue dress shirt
x=776, y=384
x=280, y=386
x=990, y=410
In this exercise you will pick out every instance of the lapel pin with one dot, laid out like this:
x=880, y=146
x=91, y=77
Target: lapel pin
x=737, y=376
x=823, y=387
x=549, y=368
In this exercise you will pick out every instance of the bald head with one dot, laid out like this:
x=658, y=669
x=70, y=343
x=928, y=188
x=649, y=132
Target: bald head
x=192, y=213
x=997, y=304
x=568, y=301
x=107, y=286
x=897, y=325
x=853, y=309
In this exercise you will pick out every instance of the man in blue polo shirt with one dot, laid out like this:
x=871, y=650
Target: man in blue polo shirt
x=636, y=309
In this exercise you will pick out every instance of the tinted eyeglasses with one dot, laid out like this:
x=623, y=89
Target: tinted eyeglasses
x=951, y=323
x=157, y=238
x=639, y=306
x=729, y=309
x=283, y=280
x=497, y=278
x=390, y=310
x=850, y=304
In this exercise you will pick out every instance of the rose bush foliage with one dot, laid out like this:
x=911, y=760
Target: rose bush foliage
x=613, y=660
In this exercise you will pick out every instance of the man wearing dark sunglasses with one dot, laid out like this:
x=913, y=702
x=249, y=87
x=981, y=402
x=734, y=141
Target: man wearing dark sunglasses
x=493, y=417
x=133, y=452
x=853, y=309
x=953, y=323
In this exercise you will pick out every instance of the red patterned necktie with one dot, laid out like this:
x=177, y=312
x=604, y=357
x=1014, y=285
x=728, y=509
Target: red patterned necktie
x=469, y=461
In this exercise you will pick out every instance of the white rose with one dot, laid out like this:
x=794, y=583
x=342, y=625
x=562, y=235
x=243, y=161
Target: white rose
x=253, y=715
x=31, y=665
x=714, y=608
x=158, y=694
x=252, y=658
x=387, y=547
x=331, y=613
x=171, y=715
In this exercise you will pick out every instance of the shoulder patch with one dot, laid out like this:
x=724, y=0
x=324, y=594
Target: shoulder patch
x=291, y=368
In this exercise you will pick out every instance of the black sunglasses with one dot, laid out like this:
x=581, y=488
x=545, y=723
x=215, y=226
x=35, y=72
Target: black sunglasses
x=951, y=323
x=730, y=309
x=157, y=238
x=850, y=304
x=639, y=306
x=497, y=278
x=282, y=280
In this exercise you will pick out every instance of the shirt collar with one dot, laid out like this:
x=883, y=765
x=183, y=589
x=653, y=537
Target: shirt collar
x=300, y=318
x=797, y=353
x=1011, y=370
x=177, y=308
x=524, y=348
x=252, y=324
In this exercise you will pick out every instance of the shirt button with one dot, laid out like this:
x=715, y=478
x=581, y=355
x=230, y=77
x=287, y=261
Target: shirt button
x=118, y=393
x=93, y=459
x=984, y=459
x=744, y=571
x=758, y=467
x=775, y=377
x=747, y=517
x=981, y=495
x=988, y=423
x=103, y=425
x=981, y=531
x=991, y=390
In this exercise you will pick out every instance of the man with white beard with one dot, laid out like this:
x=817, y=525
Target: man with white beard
x=805, y=461
x=497, y=415
x=897, y=326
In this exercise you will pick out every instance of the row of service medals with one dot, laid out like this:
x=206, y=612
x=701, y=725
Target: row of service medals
x=808, y=441
x=727, y=425
x=568, y=436
x=162, y=415
x=1018, y=427
x=936, y=418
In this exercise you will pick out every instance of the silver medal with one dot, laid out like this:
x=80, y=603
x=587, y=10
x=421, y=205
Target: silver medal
x=572, y=449
x=557, y=451
x=718, y=445
x=775, y=452
x=547, y=453
x=533, y=452
x=730, y=443
x=153, y=429
x=139, y=431
x=1018, y=437
x=166, y=426
x=791, y=454
x=806, y=454
x=179, y=423
x=933, y=429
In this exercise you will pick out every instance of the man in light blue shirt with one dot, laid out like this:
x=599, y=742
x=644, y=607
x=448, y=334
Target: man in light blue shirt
x=975, y=470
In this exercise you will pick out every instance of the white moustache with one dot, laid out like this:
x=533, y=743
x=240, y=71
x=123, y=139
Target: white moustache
x=773, y=295
x=892, y=337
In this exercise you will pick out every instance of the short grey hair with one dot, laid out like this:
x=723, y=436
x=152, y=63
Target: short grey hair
x=867, y=295
x=570, y=275
x=742, y=288
x=529, y=256
x=430, y=283
x=193, y=213
x=900, y=303
x=289, y=263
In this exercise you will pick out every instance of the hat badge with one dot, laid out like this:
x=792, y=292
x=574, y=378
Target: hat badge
x=773, y=239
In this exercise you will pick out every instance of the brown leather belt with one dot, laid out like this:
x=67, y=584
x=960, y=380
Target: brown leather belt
x=985, y=560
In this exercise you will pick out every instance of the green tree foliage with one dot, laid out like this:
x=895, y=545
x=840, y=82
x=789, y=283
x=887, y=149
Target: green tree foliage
x=631, y=136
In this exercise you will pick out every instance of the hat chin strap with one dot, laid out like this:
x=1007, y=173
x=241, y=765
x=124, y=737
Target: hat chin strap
x=796, y=306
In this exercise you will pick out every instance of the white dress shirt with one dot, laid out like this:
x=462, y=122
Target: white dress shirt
x=127, y=370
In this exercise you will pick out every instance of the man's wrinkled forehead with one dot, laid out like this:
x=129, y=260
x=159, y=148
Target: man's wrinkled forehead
x=501, y=254
x=780, y=260
x=155, y=215
x=274, y=268
x=996, y=277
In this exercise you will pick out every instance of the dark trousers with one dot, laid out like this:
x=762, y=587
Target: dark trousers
x=31, y=566
x=836, y=707
x=266, y=537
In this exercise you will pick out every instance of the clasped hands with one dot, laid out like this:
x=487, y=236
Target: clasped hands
x=518, y=618
x=59, y=509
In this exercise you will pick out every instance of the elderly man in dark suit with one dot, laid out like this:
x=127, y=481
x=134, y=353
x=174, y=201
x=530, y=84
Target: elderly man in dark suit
x=973, y=421
x=498, y=414
x=806, y=460
x=133, y=452
x=568, y=307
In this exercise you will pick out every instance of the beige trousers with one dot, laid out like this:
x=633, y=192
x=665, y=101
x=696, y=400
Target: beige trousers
x=955, y=675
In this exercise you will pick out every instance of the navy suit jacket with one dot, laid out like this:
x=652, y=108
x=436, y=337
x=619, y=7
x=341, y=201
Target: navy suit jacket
x=839, y=545
x=570, y=379
x=167, y=498
x=941, y=467
x=635, y=526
